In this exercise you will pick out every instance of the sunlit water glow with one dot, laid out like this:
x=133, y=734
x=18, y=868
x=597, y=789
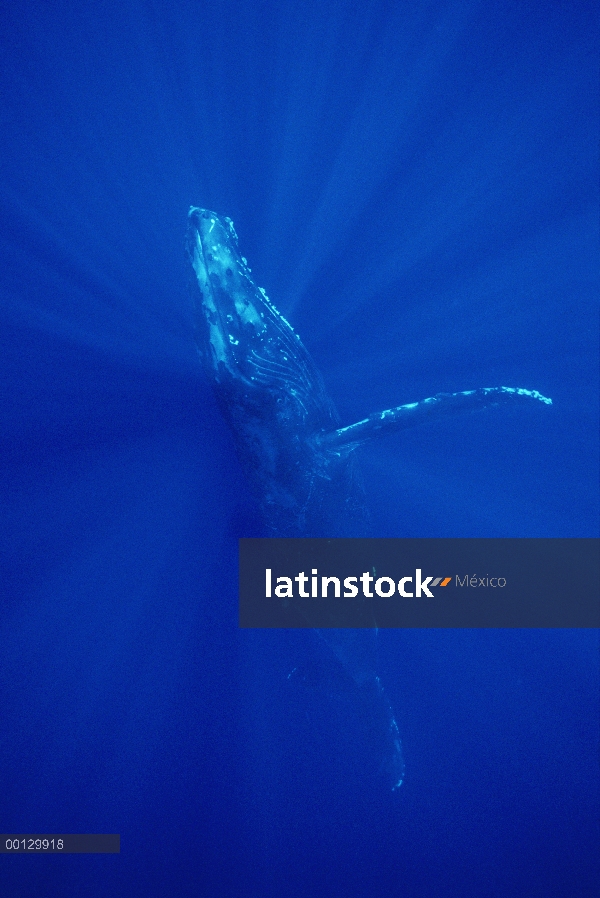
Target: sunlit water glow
x=414, y=186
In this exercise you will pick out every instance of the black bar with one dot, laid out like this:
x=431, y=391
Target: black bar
x=60, y=843
x=478, y=583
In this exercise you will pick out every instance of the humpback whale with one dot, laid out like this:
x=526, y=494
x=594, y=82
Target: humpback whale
x=298, y=458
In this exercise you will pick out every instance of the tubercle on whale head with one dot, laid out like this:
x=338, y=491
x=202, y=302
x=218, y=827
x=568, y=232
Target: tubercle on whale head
x=212, y=228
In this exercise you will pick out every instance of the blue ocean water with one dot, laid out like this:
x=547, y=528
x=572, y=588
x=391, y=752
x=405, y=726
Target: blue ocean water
x=415, y=185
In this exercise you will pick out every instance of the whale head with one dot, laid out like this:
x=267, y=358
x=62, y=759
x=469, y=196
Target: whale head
x=235, y=314
x=242, y=336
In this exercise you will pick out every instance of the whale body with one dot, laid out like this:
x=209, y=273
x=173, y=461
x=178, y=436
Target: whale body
x=297, y=457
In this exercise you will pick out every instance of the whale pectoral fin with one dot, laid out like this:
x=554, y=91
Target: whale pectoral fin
x=438, y=406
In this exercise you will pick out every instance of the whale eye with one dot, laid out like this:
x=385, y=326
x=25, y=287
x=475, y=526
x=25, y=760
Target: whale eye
x=206, y=215
x=209, y=257
x=229, y=272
